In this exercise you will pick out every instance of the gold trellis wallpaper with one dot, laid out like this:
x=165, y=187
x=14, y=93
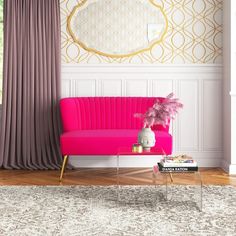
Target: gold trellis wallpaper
x=194, y=35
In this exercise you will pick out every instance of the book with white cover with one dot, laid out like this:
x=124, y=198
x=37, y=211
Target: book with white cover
x=178, y=161
x=178, y=164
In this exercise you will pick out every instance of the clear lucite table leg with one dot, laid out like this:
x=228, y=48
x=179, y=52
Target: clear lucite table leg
x=165, y=184
x=154, y=182
x=118, y=177
x=198, y=186
x=198, y=177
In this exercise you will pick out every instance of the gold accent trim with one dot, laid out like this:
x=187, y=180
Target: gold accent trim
x=63, y=167
x=115, y=55
x=171, y=177
x=168, y=51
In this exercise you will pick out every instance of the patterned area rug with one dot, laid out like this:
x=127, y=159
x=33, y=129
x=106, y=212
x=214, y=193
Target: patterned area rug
x=94, y=210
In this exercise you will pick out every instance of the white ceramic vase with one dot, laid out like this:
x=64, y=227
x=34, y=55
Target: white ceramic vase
x=146, y=137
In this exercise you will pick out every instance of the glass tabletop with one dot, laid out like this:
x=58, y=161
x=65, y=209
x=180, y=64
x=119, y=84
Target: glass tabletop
x=152, y=151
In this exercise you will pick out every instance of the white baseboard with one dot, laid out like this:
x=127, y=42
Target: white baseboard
x=203, y=159
x=229, y=168
x=232, y=169
x=225, y=165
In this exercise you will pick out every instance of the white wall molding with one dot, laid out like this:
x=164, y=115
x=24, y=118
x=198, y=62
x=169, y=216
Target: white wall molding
x=225, y=165
x=0, y=113
x=143, y=68
x=232, y=94
x=232, y=169
x=232, y=81
x=197, y=129
x=226, y=158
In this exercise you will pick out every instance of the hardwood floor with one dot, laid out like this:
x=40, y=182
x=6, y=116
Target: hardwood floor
x=107, y=176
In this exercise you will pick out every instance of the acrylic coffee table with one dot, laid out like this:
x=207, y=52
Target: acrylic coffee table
x=168, y=177
x=150, y=177
x=127, y=151
x=179, y=178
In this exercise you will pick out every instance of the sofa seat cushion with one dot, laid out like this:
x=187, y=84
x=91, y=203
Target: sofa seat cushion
x=107, y=141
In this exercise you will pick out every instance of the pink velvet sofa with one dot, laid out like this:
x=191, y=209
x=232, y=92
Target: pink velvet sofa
x=101, y=125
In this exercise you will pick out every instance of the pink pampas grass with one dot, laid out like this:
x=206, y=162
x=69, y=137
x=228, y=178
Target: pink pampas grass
x=161, y=112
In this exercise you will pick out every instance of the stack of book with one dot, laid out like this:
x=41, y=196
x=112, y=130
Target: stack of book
x=178, y=163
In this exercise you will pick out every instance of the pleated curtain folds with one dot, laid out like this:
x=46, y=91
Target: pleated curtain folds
x=30, y=126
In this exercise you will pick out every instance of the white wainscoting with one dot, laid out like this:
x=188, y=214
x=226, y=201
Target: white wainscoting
x=197, y=130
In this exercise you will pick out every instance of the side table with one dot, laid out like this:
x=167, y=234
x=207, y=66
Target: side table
x=180, y=177
x=127, y=151
x=170, y=177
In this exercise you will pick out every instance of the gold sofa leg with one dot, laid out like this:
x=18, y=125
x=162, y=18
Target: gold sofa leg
x=63, y=166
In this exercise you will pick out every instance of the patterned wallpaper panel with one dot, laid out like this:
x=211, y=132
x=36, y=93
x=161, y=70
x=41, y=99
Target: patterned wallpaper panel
x=194, y=35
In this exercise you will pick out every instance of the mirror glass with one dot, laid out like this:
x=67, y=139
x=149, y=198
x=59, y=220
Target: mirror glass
x=117, y=28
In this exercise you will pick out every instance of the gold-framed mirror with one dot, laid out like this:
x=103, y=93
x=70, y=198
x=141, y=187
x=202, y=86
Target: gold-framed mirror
x=117, y=28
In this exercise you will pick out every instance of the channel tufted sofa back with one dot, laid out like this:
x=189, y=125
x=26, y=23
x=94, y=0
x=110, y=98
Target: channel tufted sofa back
x=91, y=113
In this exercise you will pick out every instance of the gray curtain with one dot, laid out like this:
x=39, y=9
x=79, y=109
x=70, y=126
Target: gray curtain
x=30, y=126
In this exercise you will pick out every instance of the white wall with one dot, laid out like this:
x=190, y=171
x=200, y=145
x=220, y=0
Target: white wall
x=232, y=69
x=226, y=86
x=229, y=82
x=187, y=62
x=198, y=129
x=0, y=113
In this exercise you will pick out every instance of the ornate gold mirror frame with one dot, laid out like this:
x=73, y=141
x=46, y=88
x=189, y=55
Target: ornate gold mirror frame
x=95, y=18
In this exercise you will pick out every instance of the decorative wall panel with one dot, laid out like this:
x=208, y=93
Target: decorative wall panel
x=188, y=92
x=197, y=129
x=137, y=87
x=194, y=34
x=111, y=87
x=212, y=115
x=162, y=87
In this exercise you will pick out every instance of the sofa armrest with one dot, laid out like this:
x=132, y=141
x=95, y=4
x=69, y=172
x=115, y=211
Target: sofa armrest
x=69, y=114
